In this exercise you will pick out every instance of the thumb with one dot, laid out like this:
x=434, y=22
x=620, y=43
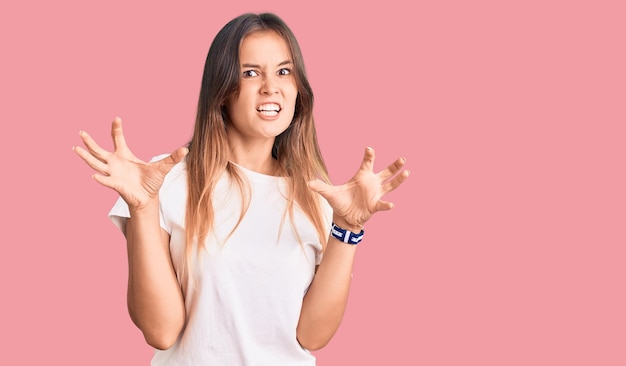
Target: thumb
x=318, y=186
x=174, y=158
x=178, y=155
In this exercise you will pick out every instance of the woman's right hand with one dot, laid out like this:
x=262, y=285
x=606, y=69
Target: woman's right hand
x=136, y=181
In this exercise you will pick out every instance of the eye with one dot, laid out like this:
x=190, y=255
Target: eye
x=250, y=73
x=284, y=72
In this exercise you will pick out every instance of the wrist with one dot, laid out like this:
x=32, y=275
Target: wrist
x=344, y=224
x=345, y=235
x=145, y=209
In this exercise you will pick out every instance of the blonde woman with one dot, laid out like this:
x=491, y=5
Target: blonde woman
x=240, y=250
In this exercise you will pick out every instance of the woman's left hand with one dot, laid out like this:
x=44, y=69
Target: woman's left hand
x=357, y=200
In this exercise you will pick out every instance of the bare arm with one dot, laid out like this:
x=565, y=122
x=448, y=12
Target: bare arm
x=325, y=302
x=353, y=203
x=155, y=300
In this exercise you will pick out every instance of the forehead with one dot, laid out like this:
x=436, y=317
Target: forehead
x=264, y=47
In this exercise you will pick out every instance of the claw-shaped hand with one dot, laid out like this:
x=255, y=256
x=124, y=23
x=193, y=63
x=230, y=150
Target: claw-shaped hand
x=358, y=199
x=136, y=181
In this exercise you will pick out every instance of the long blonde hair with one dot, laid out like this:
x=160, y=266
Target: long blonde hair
x=296, y=149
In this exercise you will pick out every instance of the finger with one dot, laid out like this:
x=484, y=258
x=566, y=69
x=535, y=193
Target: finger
x=104, y=180
x=93, y=163
x=91, y=145
x=176, y=157
x=384, y=206
x=166, y=164
x=395, y=182
x=368, y=159
x=180, y=154
x=117, y=134
x=318, y=186
x=392, y=169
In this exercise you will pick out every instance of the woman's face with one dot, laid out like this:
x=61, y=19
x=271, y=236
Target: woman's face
x=266, y=102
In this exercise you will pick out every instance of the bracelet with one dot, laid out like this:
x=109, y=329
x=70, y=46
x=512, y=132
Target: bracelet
x=346, y=236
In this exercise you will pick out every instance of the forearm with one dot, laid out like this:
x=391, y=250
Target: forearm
x=155, y=300
x=325, y=302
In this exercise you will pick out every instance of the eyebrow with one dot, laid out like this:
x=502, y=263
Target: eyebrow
x=286, y=62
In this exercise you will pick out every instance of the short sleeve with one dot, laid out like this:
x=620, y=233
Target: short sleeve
x=120, y=213
x=327, y=213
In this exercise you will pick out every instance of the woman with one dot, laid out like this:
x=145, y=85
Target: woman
x=230, y=257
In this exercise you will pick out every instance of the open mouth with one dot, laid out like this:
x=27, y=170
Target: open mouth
x=269, y=109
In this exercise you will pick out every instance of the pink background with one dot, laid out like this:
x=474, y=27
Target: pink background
x=506, y=245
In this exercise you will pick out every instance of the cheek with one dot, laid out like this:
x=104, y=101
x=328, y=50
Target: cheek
x=292, y=97
x=237, y=105
x=235, y=112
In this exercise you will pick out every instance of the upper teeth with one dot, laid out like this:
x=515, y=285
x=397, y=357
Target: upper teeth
x=269, y=107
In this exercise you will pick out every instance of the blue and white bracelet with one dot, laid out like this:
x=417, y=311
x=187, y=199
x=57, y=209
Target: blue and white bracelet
x=346, y=236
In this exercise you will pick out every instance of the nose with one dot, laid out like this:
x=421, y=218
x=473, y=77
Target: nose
x=270, y=86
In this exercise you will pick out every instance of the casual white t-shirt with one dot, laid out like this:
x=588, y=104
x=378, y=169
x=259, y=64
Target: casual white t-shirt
x=245, y=304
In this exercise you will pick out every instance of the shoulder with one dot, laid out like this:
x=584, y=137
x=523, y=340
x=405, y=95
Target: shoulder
x=159, y=157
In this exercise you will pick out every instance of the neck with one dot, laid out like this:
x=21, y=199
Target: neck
x=255, y=158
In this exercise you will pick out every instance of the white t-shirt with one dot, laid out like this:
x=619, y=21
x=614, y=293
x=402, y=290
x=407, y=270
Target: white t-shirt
x=246, y=302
